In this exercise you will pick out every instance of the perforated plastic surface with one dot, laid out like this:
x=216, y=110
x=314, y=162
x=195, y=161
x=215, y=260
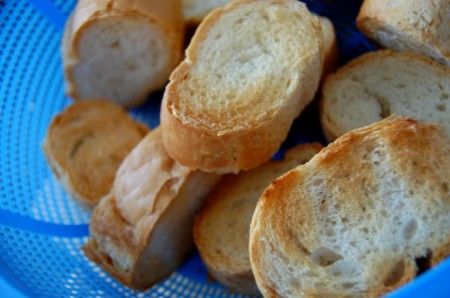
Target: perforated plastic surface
x=41, y=228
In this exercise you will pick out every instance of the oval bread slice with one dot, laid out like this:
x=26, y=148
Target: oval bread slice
x=86, y=143
x=121, y=50
x=250, y=69
x=378, y=84
x=142, y=231
x=221, y=230
x=353, y=220
x=421, y=26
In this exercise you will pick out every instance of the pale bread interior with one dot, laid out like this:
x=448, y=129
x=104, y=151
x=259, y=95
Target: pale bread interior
x=123, y=57
x=247, y=59
x=380, y=84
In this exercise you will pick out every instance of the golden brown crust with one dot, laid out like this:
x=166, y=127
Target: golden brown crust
x=86, y=143
x=287, y=226
x=242, y=147
x=165, y=14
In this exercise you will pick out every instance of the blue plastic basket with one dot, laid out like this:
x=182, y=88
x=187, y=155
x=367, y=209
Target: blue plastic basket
x=41, y=228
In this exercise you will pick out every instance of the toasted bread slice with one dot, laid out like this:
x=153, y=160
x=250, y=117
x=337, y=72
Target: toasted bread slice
x=195, y=10
x=421, y=26
x=142, y=230
x=250, y=69
x=121, y=49
x=222, y=227
x=382, y=83
x=352, y=221
x=85, y=145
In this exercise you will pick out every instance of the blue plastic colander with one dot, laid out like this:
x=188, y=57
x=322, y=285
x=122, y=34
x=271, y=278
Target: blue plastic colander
x=42, y=229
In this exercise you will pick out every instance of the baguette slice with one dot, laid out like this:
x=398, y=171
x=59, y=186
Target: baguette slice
x=222, y=227
x=121, y=49
x=330, y=48
x=85, y=145
x=250, y=69
x=354, y=219
x=195, y=10
x=142, y=231
x=378, y=84
x=421, y=26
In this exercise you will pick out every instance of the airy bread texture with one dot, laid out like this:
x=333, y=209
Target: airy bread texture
x=86, y=144
x=250, y=69
x=142, y=231
x=121, y=49
x=221, y=230
x=354, y=219
x=421, y=26
x=378, y=84
x=195, y=10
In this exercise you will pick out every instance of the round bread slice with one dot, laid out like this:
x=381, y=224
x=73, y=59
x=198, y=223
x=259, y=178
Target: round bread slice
x=121, y=50
x=86, y=143
x=354, y=220
x=421, y=26
x=250, y=69
x=378, y=84
x=221, y=229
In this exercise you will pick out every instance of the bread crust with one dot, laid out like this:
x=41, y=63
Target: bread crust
x=330, y=128
x=289, y=231
x=330, y=48
x=418, y=26
x=242, y=147
x=87, y=172
x=164, y=14
x=141, y=231
x=234, y=274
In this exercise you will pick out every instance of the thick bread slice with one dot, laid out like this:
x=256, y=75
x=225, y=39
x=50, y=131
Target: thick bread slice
x=86, y=143
x=121, y=49
x=142, y=231
x=195, y=10
x=378, y=84
x=421, y=26
x=222, y=227
x=352, y=221
x=250, y=69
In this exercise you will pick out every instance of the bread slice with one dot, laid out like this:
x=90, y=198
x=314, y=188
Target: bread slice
x=142, y=231
x=250, y=69
x=421, y=26
x=85, y=145
x=121, y=49
x=354, y=219
x=195, y=10
x=330, y=49
x=222, y=227
x=378, y=84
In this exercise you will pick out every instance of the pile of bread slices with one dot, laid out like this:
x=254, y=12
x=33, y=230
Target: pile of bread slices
x=350, y=219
